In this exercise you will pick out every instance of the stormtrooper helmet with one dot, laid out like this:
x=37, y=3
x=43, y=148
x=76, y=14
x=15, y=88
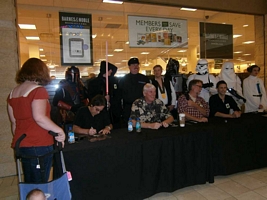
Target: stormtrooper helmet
x=202, y=66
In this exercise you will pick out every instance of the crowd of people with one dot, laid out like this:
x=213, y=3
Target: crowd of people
x=101, y=106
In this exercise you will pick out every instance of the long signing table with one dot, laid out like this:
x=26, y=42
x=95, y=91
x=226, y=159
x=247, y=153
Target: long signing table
x=138, y=165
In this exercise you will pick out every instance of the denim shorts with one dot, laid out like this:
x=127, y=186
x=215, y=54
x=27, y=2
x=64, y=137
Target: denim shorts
x=32, y=166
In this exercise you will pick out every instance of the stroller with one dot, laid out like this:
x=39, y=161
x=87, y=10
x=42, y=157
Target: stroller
x=57, y=189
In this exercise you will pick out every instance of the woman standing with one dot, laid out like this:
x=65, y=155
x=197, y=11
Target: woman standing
x=254, y=91
x=29, y=113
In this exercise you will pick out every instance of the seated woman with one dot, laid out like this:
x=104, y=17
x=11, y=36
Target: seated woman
x=93, y=119
x=220, y=104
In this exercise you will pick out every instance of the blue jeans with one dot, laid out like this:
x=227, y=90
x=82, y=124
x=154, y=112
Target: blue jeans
x=30, y=166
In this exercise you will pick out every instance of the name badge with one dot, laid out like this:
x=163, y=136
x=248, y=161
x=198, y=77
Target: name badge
x=227, y=105
x=163, y=95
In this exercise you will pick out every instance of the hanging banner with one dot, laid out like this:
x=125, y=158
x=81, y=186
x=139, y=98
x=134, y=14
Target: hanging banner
x=75, y=38
x=216, y=41
x=157, y=32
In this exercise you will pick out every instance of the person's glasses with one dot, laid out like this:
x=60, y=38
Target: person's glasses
x=200, y=86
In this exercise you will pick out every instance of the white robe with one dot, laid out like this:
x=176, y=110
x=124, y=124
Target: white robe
x=250, y=89
x=205, y=92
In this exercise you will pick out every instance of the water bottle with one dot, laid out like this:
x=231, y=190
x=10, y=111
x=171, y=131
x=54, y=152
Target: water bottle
x=138, y=125
x=130, y=125
x=71, y=138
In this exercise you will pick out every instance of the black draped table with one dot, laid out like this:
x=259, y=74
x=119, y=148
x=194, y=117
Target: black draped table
x=138, y=165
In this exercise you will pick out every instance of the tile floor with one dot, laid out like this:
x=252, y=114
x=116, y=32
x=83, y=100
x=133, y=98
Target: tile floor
x=250, y=185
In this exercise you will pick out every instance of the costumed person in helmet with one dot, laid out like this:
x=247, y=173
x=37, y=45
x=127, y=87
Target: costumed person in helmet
x=233, y=82
x=69, y=97
x=209, y=81
x=178, y=80
x=98, y=86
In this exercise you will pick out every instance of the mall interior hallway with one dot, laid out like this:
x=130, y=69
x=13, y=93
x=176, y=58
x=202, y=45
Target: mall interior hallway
x=250, y=185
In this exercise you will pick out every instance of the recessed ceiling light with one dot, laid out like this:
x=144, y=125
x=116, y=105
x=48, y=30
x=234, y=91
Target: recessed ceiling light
x=127, y=42
x=41, y=49
x=44, y=60
x=124, y=61
x=145, y=53
x=32, y=38
x=189, y=9
x=118, y=50
x=110, y=1
x=41, y=56
x=117, y=63
x=94, y=36
x=110, y=55
x=27, y=26
x=245, y=25
x=238, y=52
x=181, y=51
x=246, y=54
x=236, y=36
x=248, y=42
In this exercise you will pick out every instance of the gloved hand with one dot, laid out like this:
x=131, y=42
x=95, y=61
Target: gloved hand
x=206, y=85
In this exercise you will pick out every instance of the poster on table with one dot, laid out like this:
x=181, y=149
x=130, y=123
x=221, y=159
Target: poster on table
x=75, y=38
x=157, y=32
x=216, y=41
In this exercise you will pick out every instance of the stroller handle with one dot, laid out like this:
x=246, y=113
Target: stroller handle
x=18, y=144
x=59, y=143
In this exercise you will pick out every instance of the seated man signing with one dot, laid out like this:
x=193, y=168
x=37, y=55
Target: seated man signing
x=152, y=112
x=194, y=107
x=220, y=104
x=93, y=119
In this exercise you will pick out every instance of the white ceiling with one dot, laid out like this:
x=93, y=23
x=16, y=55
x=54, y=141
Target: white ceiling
x=35, y=12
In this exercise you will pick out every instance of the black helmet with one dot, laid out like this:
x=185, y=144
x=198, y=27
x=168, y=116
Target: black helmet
x=172, y=67
x=72, y=74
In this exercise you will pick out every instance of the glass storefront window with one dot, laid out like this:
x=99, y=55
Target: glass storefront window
x=110, y=25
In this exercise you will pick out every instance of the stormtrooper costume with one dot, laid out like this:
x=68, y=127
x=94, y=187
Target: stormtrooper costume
x=233, y=81
x=209, y=81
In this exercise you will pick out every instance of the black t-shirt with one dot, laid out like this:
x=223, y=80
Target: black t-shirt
x=84, y=119
x=217, y=105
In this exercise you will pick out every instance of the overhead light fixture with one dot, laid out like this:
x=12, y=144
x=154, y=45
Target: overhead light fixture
x=144, y=53
x=117, y=63
x=41, y=49
x=124, y=61
x=248, y=42
x=182, y=51
x=245, y=25
x=94, y=36
x=41, y=55
x=236, y=36
x=110, y=55
x=114, y=1
x=44, y=60
x=27, y=26
x=32, y=38
x=118, y=50
x=246, y=54
x=238, y=52
x=189, y=9
x=127, y=42
x=183, y=63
